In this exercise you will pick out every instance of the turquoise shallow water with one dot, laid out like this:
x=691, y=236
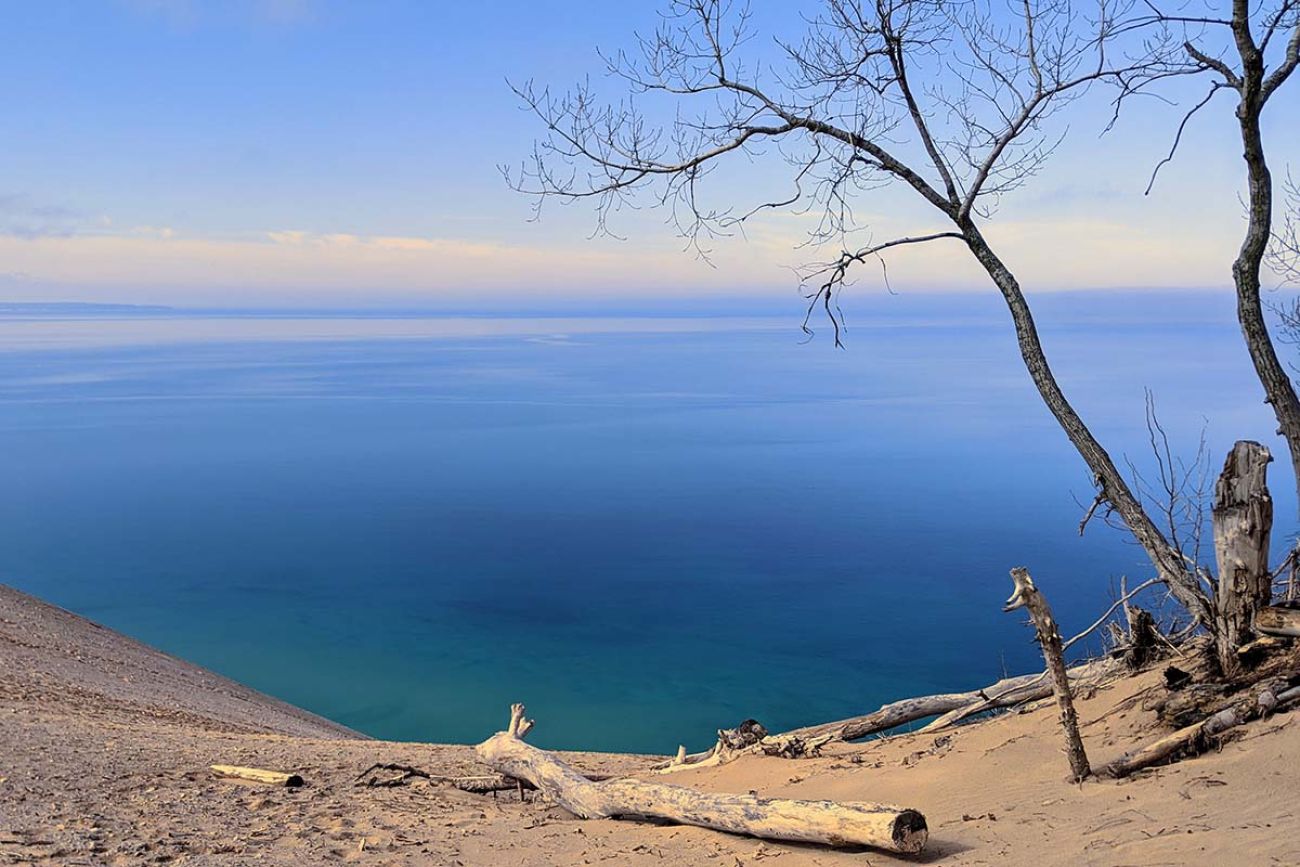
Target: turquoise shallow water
x=644, y=527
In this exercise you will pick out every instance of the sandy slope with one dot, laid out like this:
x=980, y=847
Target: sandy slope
x=104, y=746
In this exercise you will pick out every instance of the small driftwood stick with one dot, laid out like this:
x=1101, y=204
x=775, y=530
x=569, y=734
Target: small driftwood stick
x=257, y=775
x=1026, y=596
x=1196, y=738
x=893, y=829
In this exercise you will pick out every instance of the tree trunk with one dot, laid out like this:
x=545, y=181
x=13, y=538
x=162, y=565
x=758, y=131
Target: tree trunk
x=1242, y=519
x=1196, y=738
x=1027, y=596
x=1169, y=563
x=1279, y=389
x=893, y=829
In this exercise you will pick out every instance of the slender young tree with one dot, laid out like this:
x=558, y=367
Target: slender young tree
x=949, y=99
x=1250, y=50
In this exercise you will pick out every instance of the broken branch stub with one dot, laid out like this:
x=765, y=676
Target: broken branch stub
x=1027, y=596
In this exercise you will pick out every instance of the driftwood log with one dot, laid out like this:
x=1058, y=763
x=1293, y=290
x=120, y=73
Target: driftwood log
x=1278, y=620
x=1194, y=739
x=1242, y=518
x=893, y=829
x=750, y=737
x=949, y=708
x=257, y=775
x=1027, y=596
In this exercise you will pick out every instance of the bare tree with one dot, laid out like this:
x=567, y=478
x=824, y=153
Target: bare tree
x=948, y=98
x=1251, y=50
x=1284, y=253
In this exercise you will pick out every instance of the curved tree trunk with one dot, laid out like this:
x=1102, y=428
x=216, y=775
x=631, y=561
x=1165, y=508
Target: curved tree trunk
x=1279, y=389
x=1168, y=562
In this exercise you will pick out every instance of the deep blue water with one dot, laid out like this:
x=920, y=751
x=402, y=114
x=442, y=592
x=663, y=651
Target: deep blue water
x=646, y=528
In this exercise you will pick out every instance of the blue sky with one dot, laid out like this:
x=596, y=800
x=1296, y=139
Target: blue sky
x=329, y=152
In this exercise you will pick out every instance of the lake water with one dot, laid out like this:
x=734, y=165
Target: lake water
x=646, y=527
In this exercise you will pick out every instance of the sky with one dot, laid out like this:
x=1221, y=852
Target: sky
x=331, y=153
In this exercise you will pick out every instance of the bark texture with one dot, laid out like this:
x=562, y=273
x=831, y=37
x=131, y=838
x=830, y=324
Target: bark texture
x=1026, y=596
x=894, y=829
x=1242, y=519
x=1255, y=86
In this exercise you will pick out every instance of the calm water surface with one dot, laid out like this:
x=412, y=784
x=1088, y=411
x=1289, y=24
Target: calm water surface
x=644, y=527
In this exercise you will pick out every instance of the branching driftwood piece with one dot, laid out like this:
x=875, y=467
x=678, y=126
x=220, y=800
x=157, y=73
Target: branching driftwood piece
x=1264, y=698
x=894, y=829
x=1027, y=596
x=389, y=775
x=750, y=737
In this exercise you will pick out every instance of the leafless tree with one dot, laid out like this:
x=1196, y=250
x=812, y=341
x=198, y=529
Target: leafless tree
x=1250, y=50
x=949, y=99
x=1284, y=258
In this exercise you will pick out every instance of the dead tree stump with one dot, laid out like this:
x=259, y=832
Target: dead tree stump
x=1026, y=596
x=1242, y=518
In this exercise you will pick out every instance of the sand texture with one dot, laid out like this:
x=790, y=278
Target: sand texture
x=105, y=745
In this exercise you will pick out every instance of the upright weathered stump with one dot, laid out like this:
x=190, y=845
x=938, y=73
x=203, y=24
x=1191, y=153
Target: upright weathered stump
x=1243, y=518
x=1027, y=596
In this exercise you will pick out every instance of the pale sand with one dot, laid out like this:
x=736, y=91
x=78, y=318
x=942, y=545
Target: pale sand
x=105, y=743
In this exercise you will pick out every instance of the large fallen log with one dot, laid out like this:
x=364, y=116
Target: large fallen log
x=1194, y=739
x=950, y=708
x=909, y=710
x=1040, y=688
x=893, y=829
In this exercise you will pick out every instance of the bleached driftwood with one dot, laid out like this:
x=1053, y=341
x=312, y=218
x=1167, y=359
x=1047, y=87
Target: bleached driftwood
x=1196, y=738
x=893, y=829
x=1027, y=596
x=1242, y=519
x=1279, y=621
x=257, y=775
x=1041, y=688
x=750, y=737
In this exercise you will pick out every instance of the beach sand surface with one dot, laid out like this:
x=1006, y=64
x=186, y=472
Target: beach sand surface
x=105, y=746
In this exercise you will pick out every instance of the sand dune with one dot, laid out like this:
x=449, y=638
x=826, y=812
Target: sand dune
x=105, y=744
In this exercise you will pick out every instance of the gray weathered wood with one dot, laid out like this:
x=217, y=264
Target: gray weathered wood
x=1242, y=520
x=1196, y=738
x=893, y=829
x=1027, y=596
x=1276, y=620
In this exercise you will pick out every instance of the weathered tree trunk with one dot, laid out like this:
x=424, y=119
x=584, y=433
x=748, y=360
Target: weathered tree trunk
x=1279, y=389
x=893, y=829
x=1026, y=596
x=1242, y=518
x=1141, y=637
x=1168, y=562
